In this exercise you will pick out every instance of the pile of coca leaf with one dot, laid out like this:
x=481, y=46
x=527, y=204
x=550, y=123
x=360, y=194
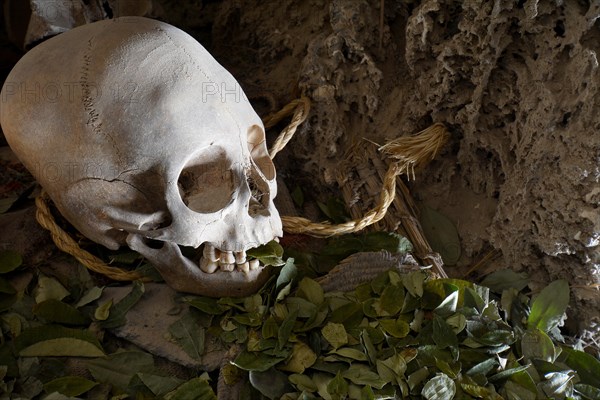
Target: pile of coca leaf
x=405, y=336
x=398, y=336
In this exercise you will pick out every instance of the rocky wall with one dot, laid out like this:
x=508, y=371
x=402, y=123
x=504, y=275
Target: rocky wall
x=516, y=83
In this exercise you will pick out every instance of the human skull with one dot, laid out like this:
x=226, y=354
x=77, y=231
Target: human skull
x=141, y=138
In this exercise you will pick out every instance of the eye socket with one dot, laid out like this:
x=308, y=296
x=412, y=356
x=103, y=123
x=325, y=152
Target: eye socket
x=207, y=183
x=258, y=152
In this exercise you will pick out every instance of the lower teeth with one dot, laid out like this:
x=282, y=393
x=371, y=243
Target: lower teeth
x=254, y=264
x=227, y=267
x=244, y=267
x=208, y=266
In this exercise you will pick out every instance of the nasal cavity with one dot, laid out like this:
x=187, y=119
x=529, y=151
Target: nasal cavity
x=258, y=152
x=259, y=193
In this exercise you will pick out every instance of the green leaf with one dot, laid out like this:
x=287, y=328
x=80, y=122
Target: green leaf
x=90, y=296
x=9, y=261
x=338, y=387
x=507, y=373
x=49, y=288
x=473, y=298
x=389, y=241
x=504, y=279
x=256, y=361
x=350, y=314
x=57, y=341
x=302, y=357
x=494, y=338
x=446, y=368
x=56, y=311
x=433, y=294
x=13, y=323
x=440, y=387
x=303, y=383
x=302, y=307
x=483, y=368
x=476, y=390
x=298, y=196
x=443, y=335
x=392, y=369
x=287, y=274
x=270, y=328
x=349, y=352
x=366, y=393
x=71, y=386
x=367, y=342
x=335, y=334
x=413, y=282
x=285, y=330
x=417, y=377
x=102, y=312
x=558, y=385
x=587, y=391
x=458, y=322
x=380, y=282
x=391, y=301
x=118, y=368
x=158, y=385
x=189, y=335
x=311, y=291
x=586, y=365
x=207, y=305
x=272, y=383
x=448, y=305
x=525, y=380
x=321, y=381
x=441, y=234
x=360, y=374
x=341, y=247
x=195, y=389
x=549, y=307
x=515, y=391
x=395, y=327
x=535, y=344
x=119, y=311
x=268, y=254
x=335, y=210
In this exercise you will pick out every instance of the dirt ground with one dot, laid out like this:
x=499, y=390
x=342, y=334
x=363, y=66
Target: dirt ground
x=516, y=83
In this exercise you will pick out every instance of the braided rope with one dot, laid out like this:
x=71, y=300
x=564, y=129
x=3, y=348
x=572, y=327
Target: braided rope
x=66, y=243
x=324, y=229
x=409, y=152
x=300, y=107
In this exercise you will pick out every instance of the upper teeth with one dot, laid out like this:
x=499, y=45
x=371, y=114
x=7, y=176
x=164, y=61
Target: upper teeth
x=211, y=253
x=227, y=257
x=213, y=259
x=240, y=257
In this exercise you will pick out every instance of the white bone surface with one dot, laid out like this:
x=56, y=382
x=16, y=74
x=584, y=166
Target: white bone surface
x=137, y=133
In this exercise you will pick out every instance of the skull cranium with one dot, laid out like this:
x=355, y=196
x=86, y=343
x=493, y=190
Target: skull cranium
x=137, y=133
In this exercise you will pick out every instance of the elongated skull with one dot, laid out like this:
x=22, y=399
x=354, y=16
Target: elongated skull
x=137, y=133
